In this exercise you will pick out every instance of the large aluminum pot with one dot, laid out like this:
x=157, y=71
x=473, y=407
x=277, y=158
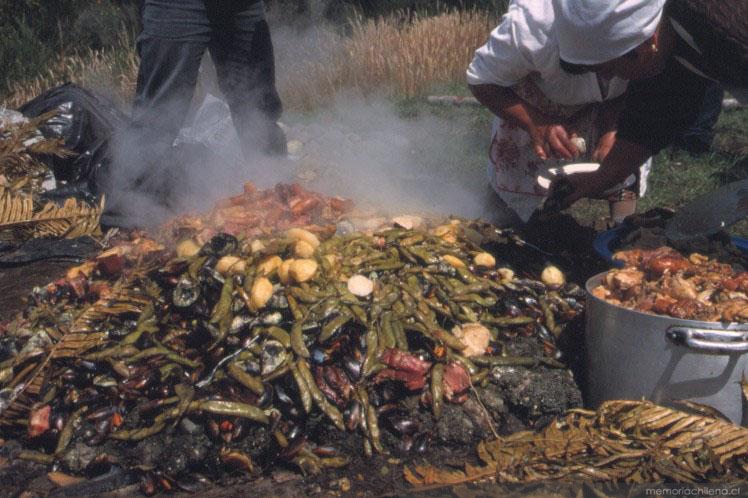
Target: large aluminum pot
x=635, y=355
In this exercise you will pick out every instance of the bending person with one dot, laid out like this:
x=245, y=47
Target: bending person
x=674, y=51
x=539, y=107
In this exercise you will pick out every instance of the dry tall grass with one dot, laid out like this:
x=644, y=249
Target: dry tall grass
x=112, y=72
x=397, y=55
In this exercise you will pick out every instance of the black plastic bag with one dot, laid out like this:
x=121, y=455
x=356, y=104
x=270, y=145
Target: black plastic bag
x=85, y=122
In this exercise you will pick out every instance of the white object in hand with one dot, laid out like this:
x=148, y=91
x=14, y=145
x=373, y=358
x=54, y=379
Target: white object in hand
x=580, y=144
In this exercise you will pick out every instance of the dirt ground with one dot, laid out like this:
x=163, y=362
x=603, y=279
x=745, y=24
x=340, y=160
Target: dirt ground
x=17, y=282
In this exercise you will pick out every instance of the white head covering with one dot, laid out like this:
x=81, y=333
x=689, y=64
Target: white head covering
x=596, y=31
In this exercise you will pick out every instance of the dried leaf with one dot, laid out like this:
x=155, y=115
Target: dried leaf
x=700, y=409
x=624, y=441
x=22, y=149
x=20, y=220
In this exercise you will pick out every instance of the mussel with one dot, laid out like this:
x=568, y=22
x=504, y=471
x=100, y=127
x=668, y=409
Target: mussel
x=274, y=354
x=186, y=293
x=220, y=245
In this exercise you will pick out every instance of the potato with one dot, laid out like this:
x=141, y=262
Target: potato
x=408, y=221
x=283, y=271
x=552, y=276
x=269, y=265
x=256, y=246
x=303, y=249
x=506, y=274
x=305, y=235
x=231, y=265
x=187, y=248
x=484, y=260
x=302, y=270
x=262, y=291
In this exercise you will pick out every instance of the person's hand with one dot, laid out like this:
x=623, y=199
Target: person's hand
x=604, y=144
x=566, y=190
x=553, y=140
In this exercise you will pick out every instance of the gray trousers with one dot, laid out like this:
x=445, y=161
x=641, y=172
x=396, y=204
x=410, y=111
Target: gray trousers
x=176, y=34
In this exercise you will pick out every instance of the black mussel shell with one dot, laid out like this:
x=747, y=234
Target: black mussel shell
x=220, y=245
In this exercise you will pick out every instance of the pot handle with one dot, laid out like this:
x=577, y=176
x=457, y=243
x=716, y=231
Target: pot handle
x=709, y=340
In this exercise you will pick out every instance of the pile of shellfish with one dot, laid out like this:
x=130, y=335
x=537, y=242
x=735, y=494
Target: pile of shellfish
x=261, y=349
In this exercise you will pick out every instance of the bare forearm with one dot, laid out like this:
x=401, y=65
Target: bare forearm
x=549, y=138
x=504, y=103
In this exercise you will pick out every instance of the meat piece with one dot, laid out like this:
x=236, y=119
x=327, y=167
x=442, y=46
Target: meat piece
x=646, y=304
x=680, y=288
x=303, y=205
x=413, y=381
x=733, y=310
x=399, y=360
x=340, y=205
x=661, y=262
x=110, y=262
x=685, y=308
x=340, y=382
x=627, y=278
x=737, y=283
x=39, y=421
x=601, y=292
x=662, y=304
x=405, y=368
x=144, y=246
x=631, y=257
x=250, y=188
x=456, y=382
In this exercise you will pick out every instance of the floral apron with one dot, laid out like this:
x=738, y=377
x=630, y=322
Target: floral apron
x=513, y=167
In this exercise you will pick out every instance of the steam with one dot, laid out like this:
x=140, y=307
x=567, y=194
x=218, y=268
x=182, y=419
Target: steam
x=359, y=148
x=365, y=151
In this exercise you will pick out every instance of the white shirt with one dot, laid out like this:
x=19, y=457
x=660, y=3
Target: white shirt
x=524, y=45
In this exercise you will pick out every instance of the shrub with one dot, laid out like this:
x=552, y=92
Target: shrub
x=22, y=54
x=100, y=26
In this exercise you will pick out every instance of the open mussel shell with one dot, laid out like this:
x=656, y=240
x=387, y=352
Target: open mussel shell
x=274, y=354
x=220, y=245
x=172, y=269
x=186, y=293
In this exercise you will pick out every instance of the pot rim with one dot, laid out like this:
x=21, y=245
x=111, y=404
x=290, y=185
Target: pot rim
x=596, y=279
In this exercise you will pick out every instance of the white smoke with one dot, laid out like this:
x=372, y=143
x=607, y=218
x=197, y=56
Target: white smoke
x=360, y=148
